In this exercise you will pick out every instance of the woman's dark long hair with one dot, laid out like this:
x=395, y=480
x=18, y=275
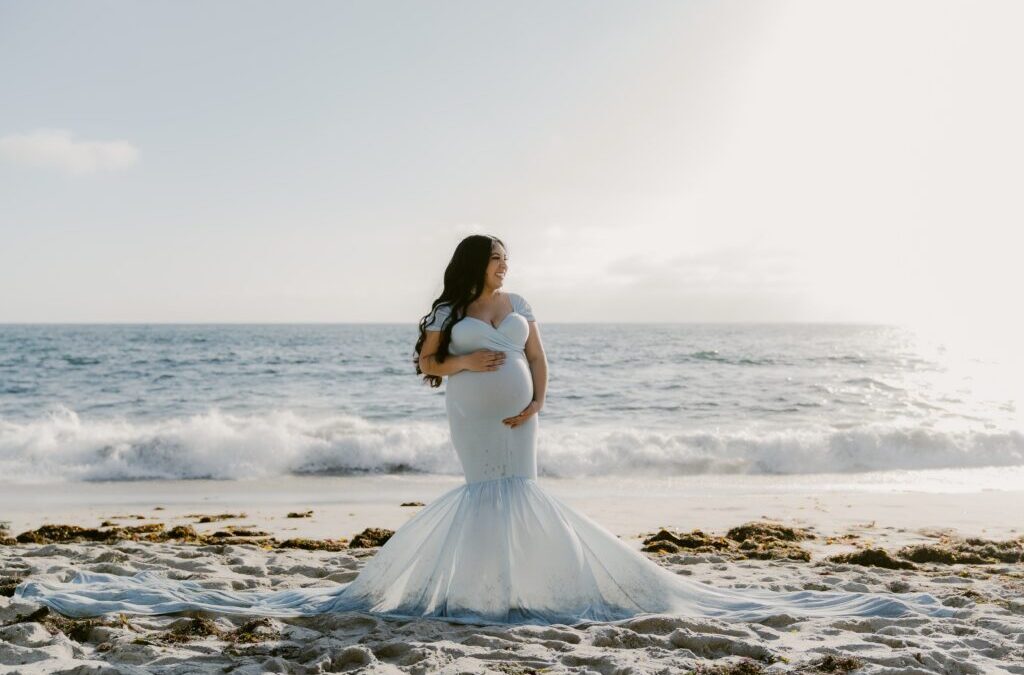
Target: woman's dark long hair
x=463, y=283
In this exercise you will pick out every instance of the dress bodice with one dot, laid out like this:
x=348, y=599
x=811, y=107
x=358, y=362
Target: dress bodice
x=470, y=334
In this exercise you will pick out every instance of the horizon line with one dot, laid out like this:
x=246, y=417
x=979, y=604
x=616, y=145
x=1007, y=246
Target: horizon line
x=400, y=323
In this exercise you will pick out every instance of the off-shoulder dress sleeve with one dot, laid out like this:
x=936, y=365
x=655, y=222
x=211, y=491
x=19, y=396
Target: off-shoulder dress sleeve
x=522, y=306
x=437, y=322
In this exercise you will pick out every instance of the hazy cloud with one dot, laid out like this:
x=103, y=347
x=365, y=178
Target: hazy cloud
x=57, y=149
x=743, y=267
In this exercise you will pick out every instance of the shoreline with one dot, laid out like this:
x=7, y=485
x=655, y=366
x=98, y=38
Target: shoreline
x=629, y=507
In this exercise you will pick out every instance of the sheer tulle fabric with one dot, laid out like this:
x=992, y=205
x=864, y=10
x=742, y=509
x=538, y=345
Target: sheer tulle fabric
x=499, y=549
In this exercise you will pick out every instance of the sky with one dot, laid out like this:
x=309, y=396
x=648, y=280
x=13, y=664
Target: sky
x=185, y=161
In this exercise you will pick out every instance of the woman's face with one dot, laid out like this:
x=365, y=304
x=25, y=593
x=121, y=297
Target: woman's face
x=496, y=267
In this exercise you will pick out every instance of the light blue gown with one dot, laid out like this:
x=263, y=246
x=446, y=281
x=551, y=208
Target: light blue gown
x=498, y=549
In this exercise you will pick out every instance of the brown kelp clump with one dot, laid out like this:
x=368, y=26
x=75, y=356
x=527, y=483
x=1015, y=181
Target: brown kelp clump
x=745, y=666
x=371, y=537
x=8, y=584
x=212, y=518
x=872, y=557
x=254, y=630
x=184, y=533
x=765, y=540
x=762, y=540
x=835, y=664
x=198, y=628
x=948, y=550
x=188, y=630
x=767, y=530
x=61, y=534
x=76, y=629
x=694, y=541
x=239, y=534
x=5, y=534
x=315, y=544
x=970, y=551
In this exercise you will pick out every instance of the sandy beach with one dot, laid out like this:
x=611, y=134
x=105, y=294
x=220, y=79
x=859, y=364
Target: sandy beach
x=930, y=531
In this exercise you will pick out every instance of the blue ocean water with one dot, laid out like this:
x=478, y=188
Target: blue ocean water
x=98, y=402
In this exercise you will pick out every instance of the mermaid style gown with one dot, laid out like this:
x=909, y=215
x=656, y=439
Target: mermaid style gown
x=498, y=549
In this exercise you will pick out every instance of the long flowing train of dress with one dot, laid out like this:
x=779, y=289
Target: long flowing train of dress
x=498, y=549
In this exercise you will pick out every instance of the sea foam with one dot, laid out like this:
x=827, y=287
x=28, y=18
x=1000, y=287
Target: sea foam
x=62, y=445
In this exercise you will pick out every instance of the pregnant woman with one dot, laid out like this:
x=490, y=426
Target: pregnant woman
x=498, y=549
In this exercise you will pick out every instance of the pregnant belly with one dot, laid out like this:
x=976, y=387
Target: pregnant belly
x=491, y=394
x=476, y=403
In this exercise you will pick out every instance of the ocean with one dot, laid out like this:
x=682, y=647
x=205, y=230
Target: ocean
x=135, y=402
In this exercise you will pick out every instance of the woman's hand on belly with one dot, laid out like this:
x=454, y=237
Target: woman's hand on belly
x=532, y=409
x=483, y=360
